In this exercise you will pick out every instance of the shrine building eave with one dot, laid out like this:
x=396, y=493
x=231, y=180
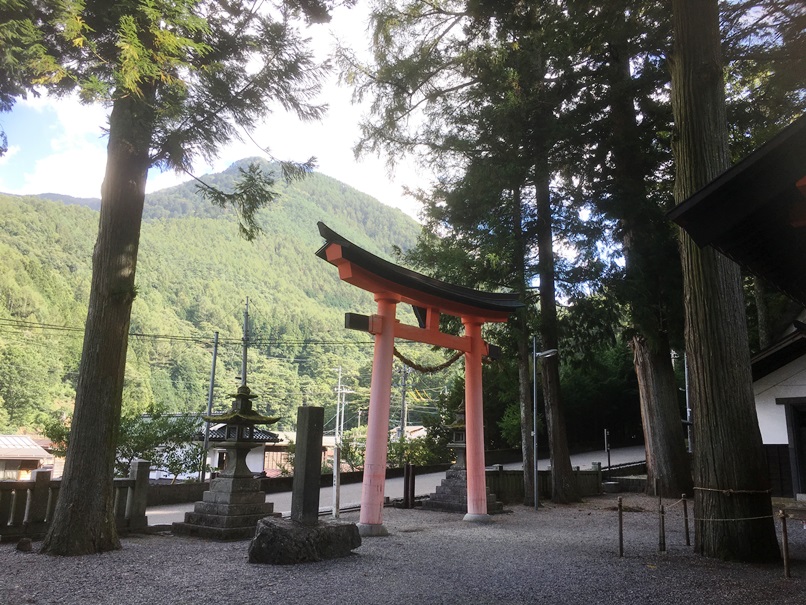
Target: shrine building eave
x=374, y=274
x=755, y=212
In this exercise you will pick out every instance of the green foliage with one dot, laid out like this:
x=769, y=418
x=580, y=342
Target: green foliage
x=193, y=278
x=164, y=440
x=416, y=451
x=353, y=447
x=602, y=393
x=510, y=425
x=181, y=457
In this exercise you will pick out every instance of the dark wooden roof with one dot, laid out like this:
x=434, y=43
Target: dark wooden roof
x=218, y=433
x=755, y=212
x=412, y=281
x=788, y=349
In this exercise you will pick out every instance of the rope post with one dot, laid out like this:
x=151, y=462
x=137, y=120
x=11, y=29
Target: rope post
x=784, y=543
x=620, y=528
x=662, y=530
x=685, y=519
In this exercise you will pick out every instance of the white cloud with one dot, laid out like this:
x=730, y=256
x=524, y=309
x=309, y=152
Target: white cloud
x=10, y=153
x=77, y=170
x=75, y=159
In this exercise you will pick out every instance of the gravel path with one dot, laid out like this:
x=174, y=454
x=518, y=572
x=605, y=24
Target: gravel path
x=561, y=554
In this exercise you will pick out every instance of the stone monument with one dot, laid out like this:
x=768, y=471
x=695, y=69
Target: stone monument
x=304, y=538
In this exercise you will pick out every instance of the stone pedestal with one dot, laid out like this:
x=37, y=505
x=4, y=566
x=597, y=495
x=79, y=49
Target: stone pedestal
x=230, y=510
x=451, y=495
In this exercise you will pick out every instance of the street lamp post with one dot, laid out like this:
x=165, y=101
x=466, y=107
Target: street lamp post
x=535, y=356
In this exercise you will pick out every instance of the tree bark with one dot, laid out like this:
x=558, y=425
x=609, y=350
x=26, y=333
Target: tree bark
x=759, y=292
x=84, y=519
x=667, y=460
x=732, y=499
x=522, y=342
x=666, y=456
x=527, y=414
x=563, y=482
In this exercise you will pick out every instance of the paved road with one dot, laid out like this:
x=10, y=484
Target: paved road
x=350, y=495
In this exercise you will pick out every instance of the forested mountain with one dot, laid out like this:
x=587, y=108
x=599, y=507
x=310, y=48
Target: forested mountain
x=194, y=275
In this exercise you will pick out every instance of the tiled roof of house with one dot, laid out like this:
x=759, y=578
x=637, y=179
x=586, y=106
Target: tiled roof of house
x=20, y=447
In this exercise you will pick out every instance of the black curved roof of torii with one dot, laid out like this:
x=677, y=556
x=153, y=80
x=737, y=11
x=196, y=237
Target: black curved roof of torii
x=488, y=301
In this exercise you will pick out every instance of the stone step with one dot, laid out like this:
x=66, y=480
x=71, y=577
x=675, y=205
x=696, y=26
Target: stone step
x=230, y=521
x=214, y=533
x=445, y=506
x=234, y=498
x=213, y=508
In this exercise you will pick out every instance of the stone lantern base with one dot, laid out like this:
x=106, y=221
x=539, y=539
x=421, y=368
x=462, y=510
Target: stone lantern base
x=451, y=494
x=230, y=510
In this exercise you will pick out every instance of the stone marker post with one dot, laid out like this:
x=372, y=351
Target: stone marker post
x=307, y=465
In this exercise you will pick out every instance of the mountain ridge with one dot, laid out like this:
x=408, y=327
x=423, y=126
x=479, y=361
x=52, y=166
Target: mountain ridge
x=194, y=274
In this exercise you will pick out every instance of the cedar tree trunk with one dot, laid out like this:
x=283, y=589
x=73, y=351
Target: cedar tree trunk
x=731, y=487
x=84, y=520
x=563, y=482
x=667, y=460
x=522, y=338
x=666, y=457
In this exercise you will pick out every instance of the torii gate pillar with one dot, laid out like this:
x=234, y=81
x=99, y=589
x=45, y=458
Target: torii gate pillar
x=474, y=424
x=372, y=494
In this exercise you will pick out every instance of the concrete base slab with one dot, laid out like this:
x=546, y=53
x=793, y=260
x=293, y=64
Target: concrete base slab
x=371, y=530
x=476, y=518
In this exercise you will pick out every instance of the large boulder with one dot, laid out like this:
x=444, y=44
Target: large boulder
x=285, y=542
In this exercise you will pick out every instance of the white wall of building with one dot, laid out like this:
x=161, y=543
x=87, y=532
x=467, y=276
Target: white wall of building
x=788, y=381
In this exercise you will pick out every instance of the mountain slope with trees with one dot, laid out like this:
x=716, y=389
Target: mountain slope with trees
x=195, y=274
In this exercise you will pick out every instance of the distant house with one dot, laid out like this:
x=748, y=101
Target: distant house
x=779, y=384
x=19, y=455
x=412, y=432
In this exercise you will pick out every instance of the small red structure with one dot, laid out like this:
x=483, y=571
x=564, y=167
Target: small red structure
x=391, y=285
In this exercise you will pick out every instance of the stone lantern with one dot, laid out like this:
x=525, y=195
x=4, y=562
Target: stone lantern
x=235, y=502
x=458, y=440
x=239, y=434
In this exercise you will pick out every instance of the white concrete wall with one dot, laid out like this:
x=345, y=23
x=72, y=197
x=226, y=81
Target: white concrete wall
x=788, y=381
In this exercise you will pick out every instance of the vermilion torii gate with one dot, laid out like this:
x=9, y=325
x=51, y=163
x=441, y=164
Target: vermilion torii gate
x=392, y=284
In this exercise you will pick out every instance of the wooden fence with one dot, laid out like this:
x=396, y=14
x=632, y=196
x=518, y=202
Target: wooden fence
x=508, y=485
x=26, y=507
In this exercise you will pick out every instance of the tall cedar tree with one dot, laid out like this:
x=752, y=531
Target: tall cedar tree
x=180, y=78
x=617, y=155
x=479, y=73
x=732, y=499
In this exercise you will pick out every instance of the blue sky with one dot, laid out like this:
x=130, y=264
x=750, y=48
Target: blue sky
x=58, y=146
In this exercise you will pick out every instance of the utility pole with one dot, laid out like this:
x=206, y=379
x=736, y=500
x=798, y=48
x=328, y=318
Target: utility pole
x=403, y=411
x=209, y=408
x=338, y=433
x=337, y=452
x=245, y=342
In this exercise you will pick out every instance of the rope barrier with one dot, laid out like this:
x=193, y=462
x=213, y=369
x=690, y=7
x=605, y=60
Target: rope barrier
x=731, y=492
x=739, y=519
x=427, y=369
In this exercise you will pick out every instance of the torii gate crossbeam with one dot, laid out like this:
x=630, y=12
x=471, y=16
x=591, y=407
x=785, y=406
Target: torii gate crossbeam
x=391, y=285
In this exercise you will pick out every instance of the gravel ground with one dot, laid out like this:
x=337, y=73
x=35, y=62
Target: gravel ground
x=561, y=554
